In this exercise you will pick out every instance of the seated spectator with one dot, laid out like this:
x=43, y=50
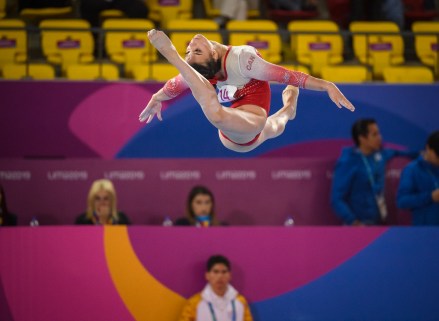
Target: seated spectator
x=6, y=218
x=357, y=195
x=200, y=208
x=419, y=185
x=102, y=206
x=90, y=9
x=377, y=10
x=219, y=300
x=233, y=10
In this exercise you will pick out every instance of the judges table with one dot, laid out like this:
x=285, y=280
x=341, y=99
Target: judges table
x=146, y=273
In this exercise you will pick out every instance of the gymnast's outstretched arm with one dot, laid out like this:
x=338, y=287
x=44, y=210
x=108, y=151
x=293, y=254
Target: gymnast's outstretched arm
x=253, y=66
x=172, y=88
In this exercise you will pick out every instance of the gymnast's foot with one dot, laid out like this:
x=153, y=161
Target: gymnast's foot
x=162, y=43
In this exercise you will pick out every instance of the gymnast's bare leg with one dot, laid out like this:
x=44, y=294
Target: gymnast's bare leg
x=275, y=124
x=240, y=124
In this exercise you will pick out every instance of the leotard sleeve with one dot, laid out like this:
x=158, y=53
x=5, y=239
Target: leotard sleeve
x=175, y=86
x=253, y=66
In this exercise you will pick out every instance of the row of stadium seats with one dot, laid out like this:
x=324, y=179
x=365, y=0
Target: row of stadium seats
x=161, y=12
x=315, y=44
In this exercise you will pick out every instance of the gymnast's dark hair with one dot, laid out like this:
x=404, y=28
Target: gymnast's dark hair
x=433, y=142
x=361, y=128
x=218, y=259
x=208, y=71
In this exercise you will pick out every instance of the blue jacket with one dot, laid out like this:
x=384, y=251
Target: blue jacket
x=353, y=197
x=418, y=180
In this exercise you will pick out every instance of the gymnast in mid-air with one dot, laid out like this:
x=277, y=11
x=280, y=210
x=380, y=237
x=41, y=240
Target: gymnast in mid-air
x=242, y=77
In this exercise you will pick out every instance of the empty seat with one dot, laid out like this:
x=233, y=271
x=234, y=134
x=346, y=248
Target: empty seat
x=349, y=74
x=163, y=11
x=378, y=44
x=33, y=71
x=261, y=34
x=110, y=14
x=2, y=9
x=13, y=43
x=92, y=72
x=160, y=72
x=408, y=74
x=65, y=47
x=38, y=14
x=427, y=45
x=314, y=49
x=130, y=45
x=181, y=38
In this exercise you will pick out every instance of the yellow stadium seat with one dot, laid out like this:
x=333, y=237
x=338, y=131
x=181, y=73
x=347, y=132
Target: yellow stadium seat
x=129, y=47
x=2, y=9
x=212, y=12
x=110, y=14
x=92, y=72
x=383, y=48
x=38, y=14
x=408, y=74
x=33, y=71
x=66, y=47
x=180, y=38
x=160, y=72
x=427, y=46
x=13, y=43
x=316, y=50
x=162, y=11
x=268, y=44
x=349, y=74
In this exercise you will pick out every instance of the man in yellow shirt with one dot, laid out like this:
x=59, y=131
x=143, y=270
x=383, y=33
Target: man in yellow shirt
x=219, y=301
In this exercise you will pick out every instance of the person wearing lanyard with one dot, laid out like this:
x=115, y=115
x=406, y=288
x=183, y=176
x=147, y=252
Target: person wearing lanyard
x=419, y=185
x=357, y=194
x=219, y=300
x=200, y=208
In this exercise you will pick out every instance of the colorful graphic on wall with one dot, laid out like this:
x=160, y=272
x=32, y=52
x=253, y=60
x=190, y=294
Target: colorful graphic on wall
x=69, y=119
x=145, y=273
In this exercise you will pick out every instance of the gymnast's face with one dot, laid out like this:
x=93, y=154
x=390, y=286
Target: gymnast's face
x=201, y=55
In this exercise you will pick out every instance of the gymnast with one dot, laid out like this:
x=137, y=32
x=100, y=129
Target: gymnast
x=242, y=77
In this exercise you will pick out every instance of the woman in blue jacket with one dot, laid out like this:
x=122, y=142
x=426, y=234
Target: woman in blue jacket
x=419, y=185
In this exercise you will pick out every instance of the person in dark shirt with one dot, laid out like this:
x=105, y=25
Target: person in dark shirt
x=200, y=208
x=102, y=206
x=6, y=218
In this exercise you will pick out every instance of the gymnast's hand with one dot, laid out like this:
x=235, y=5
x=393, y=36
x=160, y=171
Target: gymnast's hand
x=154, y=107
x=161, y=42
x=338, y=98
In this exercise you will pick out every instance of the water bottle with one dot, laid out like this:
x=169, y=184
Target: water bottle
x=289, y=222
x=167, y=222
x=34, y=222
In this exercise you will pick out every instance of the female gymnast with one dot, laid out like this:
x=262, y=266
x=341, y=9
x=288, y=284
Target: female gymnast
x=242, y=77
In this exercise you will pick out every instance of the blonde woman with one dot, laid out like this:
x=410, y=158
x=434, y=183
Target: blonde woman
x=102, y=206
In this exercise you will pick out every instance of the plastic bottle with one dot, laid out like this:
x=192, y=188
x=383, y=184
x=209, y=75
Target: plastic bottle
x=289, y=222
x=34, y=222
x=167, y=222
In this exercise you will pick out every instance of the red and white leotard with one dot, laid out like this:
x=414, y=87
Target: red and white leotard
x=249, y=73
